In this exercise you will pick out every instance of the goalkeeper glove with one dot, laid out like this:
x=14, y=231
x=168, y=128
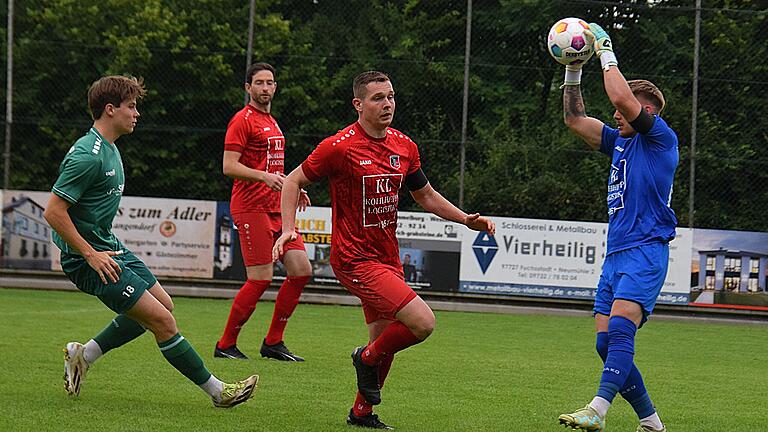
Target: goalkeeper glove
x=602, y=45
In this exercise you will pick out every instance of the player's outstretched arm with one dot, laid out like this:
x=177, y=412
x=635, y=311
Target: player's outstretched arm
x=232, y=167
x=289, y=202
x=616, y=86
x=58, y=218
x=575, y=116
x=431, y=200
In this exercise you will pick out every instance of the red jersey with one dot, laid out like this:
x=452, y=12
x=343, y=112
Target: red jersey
x=365, y=175
x=261, y=144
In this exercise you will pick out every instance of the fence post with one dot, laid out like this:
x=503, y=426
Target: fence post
x=8, y=101
x=249, y=50
x=465, y=104
x=694, y=113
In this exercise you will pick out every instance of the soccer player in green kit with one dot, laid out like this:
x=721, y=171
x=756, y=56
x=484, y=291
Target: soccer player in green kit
x=83, y=203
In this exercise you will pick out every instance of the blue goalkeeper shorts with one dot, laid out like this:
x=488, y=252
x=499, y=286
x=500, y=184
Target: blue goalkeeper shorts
x=636, y=274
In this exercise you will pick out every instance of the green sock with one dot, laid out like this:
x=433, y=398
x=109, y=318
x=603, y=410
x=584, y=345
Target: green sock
x=184, y=358
x=118, y=333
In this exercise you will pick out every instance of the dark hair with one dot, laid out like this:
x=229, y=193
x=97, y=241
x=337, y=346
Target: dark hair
x=113, y=89
x=649, y=91
x=365, y=78
x=257, y=67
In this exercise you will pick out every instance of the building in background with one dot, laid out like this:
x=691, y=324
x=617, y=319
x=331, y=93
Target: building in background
x=731, y=270
x=26, y=241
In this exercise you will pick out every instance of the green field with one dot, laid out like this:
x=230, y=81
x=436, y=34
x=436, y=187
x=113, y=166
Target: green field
x=478, y=372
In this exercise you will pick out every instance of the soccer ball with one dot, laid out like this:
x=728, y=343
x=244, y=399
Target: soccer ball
x=567, y=42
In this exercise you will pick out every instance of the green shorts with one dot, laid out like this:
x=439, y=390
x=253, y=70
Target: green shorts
x=135, y=278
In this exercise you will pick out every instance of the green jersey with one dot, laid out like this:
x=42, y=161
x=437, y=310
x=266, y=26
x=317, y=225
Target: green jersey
x=91, y=178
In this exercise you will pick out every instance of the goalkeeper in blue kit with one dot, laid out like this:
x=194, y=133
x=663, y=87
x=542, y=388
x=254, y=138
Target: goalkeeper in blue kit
x=644, y=155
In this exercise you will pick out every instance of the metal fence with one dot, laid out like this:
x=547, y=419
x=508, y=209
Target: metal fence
x=494, y=101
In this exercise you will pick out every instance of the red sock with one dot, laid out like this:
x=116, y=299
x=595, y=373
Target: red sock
x=396, y=337
x=285, y=303
x=242, y=308
x=361, y=408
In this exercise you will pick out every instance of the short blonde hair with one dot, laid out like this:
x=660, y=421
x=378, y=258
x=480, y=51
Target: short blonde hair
x=650, y=91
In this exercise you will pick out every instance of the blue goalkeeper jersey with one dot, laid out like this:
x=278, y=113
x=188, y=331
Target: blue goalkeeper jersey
x=640, y=186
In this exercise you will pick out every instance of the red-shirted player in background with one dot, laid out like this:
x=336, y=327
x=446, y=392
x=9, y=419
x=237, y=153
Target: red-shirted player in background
x=366, y=164
x=253, y=155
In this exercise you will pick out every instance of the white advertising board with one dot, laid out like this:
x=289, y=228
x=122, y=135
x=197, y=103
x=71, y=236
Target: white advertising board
x=173, y=237
x=548, y=258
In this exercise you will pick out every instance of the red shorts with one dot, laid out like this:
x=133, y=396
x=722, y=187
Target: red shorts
x=380, y=287
x=258, y=232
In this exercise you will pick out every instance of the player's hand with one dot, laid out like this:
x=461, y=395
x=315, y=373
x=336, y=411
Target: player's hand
x=600, y=40
x=274, y=181
x=277, y=249
x=480, y=223
x=304, y=201
x=105, y=266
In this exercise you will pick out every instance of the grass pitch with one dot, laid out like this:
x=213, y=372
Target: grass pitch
x=478, y=372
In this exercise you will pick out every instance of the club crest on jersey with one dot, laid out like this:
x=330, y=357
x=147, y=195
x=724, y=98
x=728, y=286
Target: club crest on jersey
x=394, y=161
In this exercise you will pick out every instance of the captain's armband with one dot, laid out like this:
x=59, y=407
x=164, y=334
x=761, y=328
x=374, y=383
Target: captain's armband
x=643, y=123
x=416, y=180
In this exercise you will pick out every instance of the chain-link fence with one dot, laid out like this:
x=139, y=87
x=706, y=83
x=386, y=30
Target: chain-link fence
x=520, y=158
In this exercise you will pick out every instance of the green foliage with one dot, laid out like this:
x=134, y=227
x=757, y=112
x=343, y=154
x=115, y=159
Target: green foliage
x=521, y=160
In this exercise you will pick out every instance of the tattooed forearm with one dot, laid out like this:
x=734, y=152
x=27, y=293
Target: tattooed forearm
x=573, y=103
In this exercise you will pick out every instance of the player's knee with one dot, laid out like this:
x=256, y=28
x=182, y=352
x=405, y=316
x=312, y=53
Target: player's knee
x=169, y=305
x=164, y=326
x=299, y=269
x=424, y=326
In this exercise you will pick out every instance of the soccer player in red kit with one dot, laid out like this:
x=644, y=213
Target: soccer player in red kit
x=366, y=164
x=254, y=149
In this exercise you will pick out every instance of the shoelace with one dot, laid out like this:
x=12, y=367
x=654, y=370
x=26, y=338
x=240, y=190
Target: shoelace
x=231, y=389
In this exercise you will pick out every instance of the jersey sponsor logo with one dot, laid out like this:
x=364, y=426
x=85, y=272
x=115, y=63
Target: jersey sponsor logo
x=394, y=161
x=380, y=199
x=267, y=129
x=617, y=186
x=365, y=162
x=110, y=173
x=620, y=149
x=275, y=154
x=116, y=191
x=485, y=249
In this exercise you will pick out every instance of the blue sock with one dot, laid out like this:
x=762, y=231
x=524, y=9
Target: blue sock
x=621, y=352
x=634, y=389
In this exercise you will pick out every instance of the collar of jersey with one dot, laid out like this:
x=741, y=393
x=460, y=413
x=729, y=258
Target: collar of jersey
x=253, y=107
x=98, y=134
x=359, y=128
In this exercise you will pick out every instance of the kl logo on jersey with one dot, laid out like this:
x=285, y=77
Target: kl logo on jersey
x=383, y=185
x=485, y=248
